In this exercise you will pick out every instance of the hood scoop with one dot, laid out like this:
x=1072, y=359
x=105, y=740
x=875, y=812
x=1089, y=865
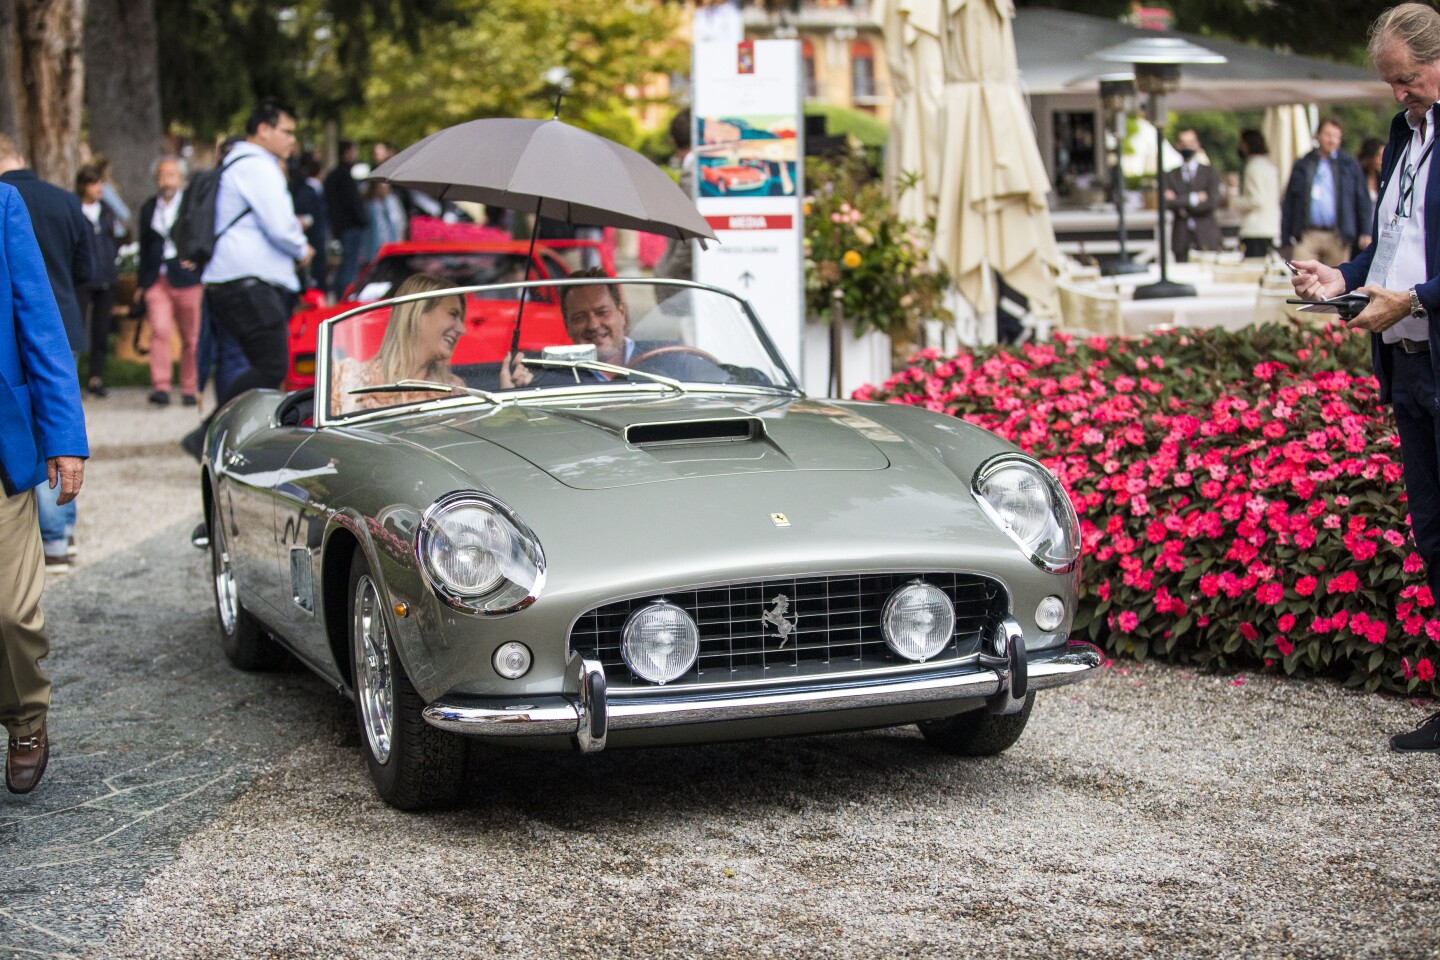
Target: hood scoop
x=695, y=431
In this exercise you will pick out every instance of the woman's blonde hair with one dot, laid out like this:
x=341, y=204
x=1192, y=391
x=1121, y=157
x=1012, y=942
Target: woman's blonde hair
x=397, y=350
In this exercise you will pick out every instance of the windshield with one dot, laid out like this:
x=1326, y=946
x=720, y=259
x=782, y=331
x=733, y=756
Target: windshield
x=456, y=268
x=591, y=336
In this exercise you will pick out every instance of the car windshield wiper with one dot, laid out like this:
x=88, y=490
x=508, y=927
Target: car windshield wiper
x=675, y=385
x=409, y=386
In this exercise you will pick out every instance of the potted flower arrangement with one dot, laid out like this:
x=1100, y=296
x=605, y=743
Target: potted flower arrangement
x=866, y=271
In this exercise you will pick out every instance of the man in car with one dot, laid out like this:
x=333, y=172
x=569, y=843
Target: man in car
x=596, y=314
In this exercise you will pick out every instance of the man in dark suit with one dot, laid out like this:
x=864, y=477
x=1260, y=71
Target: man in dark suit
x=42, y=440
x=1193, y=194
x=63, y=233
x=171, y=290
x=1400, y=273
x=1325, y=214
x=348, y=216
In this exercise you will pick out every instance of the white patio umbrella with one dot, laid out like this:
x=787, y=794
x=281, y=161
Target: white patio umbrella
x=917, y=75
x=1288, y=134
x=992, y=209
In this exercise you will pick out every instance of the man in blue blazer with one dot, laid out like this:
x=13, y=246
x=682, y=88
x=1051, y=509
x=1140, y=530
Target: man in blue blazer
x=1400, y=272
x=42, y=440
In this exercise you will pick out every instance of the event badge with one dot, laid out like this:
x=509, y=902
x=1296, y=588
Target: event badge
x=1385, y=250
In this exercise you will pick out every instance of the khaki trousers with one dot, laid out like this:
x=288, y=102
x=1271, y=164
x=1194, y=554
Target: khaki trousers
x=24, y=688
x=1322, y=245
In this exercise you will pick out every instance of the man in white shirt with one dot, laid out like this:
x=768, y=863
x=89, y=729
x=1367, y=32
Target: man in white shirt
x=250, y=281
x=1400, y=272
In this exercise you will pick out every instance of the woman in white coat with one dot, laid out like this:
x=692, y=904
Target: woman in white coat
x=1259, y=200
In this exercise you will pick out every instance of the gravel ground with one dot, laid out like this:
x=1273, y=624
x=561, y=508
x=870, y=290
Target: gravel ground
x=1151, y=812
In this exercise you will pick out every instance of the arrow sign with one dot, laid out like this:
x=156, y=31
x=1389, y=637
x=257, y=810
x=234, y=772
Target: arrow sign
x=746, y=277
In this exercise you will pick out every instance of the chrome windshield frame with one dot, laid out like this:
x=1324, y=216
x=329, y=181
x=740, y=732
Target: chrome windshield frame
x=323, y=347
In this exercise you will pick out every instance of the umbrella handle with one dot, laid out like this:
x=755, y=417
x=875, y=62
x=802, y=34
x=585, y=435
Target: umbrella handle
x=529, y=266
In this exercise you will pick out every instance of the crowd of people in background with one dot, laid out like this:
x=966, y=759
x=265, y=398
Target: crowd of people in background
x=1322, y=212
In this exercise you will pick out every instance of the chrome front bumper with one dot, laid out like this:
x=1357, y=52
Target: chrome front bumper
x=1004, y=678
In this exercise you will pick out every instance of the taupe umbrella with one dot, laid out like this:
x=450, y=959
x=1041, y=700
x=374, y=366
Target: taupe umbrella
x=550, y=168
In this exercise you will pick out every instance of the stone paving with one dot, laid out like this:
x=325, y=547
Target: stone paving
x=153, y=733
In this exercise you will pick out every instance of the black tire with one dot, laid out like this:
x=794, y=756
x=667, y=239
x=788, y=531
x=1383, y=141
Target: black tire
x=245, y=642
x=420, y=767
x=978, y=733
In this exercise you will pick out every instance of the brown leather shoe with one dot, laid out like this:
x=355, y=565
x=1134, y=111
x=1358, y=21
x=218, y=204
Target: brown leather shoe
x=25, y=763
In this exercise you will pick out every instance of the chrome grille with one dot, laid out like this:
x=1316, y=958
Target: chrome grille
x=837, y=625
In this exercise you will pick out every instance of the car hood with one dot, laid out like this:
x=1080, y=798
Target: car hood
x=598, y=446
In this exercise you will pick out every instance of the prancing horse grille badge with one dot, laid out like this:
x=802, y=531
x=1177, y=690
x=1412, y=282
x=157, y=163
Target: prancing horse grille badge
x=775, y=616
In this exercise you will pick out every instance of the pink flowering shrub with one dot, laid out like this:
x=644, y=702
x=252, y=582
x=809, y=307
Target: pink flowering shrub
x=1239, y=493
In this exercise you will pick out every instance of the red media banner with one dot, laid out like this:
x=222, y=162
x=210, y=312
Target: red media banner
x=751, y=221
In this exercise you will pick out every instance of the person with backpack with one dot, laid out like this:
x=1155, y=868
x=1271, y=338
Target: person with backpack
x=250, y=279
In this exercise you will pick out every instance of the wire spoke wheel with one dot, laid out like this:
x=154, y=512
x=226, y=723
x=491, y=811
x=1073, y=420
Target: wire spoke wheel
x=374, y=679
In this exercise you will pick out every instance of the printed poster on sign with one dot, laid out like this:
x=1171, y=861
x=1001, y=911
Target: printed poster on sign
x=750, y=178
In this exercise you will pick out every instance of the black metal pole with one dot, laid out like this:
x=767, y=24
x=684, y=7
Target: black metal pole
x=1164, y=288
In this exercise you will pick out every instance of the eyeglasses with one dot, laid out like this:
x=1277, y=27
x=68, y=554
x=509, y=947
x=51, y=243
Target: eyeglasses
x=1406, y=204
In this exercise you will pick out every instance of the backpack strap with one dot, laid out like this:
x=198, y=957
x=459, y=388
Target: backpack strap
x=238, y=217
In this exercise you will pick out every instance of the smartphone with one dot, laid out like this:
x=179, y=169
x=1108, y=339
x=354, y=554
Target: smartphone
x=1294, y=270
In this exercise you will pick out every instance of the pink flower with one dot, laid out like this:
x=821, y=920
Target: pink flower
x=1346, y=582
x=1284, y=646
x=1270, y=593
x=1129, y=620
x=1425, y=670
x=1305, y=586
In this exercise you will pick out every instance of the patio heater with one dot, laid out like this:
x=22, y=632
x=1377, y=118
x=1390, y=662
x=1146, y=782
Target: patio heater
x=1117, y=97
x=1157, y=62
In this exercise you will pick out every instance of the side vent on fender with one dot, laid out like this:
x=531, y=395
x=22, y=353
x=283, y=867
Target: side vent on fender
x=695, y=431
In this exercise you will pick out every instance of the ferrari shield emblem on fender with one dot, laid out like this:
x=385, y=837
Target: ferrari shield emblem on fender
x=779, y=519
x=775, y=616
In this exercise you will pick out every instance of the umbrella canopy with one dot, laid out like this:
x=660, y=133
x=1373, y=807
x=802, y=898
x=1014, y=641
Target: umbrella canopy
x=992, y=208
x=1287, y=134
x=912, y=44
x=550, y=168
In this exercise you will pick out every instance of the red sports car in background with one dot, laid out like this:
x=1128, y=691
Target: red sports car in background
x=490, y=322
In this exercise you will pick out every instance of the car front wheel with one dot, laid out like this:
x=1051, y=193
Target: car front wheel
x=978, y=733
x=413, y=765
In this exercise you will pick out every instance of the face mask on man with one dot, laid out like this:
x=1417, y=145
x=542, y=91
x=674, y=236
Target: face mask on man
x=1187, y=155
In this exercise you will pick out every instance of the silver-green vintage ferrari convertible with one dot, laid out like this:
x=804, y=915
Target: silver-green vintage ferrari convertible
x=643, y=533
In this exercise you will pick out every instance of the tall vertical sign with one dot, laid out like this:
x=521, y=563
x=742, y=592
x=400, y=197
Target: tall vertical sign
x=749, y=179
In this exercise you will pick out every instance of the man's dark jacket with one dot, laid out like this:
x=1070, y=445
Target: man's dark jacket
x=1352, y=200
x=64, y=237
x=343, y=202
x=1356, y=270
x=152, y=254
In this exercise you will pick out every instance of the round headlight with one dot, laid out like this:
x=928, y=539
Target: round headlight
x=512, y=660
x=659, y=642
x=1028, y=503
x=1050, y=613
x=478, y=555
x=918, y=621
x=463, y=552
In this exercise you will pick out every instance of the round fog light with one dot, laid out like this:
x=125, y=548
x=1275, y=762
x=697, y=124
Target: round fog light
x=1050, y=613
x=659, y=642
x=512, y=660
x=918, y=621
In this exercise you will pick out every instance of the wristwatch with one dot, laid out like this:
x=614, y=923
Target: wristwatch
x=1417, y=309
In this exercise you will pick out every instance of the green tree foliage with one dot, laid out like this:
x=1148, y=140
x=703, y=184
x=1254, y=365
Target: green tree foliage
x=496, y=65
x=216, y=59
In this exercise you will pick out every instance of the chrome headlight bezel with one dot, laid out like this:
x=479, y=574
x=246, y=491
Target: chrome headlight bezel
x=526, y=560
x=1055, y=546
